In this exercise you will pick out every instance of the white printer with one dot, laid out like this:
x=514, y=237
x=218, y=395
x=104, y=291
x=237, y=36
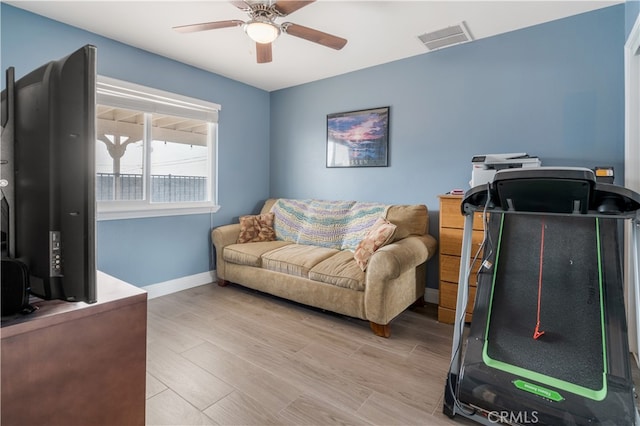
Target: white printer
x=484, y=167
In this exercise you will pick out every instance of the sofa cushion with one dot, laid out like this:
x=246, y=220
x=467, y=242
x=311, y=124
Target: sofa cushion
x=340, y=270
x=380, y=234
x=250, y=254
x=296, y=259
x=255, y=228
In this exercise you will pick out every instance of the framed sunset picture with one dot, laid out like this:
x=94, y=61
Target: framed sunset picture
x=358, y=138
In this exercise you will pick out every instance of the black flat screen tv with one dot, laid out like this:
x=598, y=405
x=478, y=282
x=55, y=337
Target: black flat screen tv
x=48, y=146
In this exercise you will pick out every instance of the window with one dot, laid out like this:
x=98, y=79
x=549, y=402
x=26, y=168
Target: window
x=155, y=152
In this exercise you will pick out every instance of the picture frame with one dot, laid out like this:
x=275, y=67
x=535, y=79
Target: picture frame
x=358, y=138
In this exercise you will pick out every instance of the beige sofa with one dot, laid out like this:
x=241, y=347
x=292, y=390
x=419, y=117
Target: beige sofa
x=304, y=263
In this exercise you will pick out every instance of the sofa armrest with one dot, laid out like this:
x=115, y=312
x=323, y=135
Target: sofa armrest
x=221, y=237
x=225, y=235
x=390, y=261
x=396, y=276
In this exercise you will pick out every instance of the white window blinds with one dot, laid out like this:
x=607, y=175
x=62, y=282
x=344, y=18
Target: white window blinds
x=123, y=94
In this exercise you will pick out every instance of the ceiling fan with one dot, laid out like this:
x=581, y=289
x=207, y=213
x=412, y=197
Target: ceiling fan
x=262, y=28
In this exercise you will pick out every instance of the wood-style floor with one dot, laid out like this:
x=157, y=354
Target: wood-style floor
x=232, y=356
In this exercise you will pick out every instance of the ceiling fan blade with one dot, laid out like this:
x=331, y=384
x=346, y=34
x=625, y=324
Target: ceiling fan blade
x=240, y=4
x=205, y=26
x=315, y=36
x=286, y=7
x=263, y=53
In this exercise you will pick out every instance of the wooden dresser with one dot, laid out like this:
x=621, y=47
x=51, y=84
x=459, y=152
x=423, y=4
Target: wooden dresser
x=77, y=364
x=450, y=243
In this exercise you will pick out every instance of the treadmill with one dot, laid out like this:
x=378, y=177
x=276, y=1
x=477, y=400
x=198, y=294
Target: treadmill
x=548, y=340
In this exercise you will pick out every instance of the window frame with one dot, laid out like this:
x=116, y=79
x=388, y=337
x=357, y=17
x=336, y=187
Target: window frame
x=122, y=94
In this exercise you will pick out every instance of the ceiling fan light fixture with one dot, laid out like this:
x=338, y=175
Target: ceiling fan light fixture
x=262, y=31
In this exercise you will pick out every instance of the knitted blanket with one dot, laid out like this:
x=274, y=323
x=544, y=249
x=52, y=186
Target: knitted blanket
x=333, y=224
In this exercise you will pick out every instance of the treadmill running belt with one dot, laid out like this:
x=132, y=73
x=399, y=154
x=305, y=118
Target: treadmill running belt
x=571, y=349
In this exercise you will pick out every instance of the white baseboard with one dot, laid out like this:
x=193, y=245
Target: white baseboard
x=179, y=284
x=431, y=295
x=184, y=283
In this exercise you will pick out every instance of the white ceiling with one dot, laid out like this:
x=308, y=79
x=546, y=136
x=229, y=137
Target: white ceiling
x=377, y=31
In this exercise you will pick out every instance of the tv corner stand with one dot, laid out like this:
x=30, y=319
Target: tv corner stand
x=77, y=363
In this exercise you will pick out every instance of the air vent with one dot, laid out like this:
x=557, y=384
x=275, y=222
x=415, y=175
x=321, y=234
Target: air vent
x=446, y=37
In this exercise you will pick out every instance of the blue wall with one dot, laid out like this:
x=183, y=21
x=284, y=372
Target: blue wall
x=148, y=251
x=632, y=12
x=555, y=90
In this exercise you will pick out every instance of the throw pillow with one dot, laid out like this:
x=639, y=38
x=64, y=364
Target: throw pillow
x=380, y=234
x=255, y=228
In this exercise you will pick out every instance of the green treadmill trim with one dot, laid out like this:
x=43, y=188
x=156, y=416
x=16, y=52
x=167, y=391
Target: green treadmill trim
x=594, y=394
x=538, y=390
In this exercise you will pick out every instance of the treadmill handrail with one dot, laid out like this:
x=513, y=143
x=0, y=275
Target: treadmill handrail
x=604, y=200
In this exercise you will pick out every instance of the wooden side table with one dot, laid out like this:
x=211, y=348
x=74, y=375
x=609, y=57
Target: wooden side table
x=450, y=243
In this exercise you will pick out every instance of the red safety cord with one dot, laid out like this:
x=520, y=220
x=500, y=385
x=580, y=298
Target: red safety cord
x=537, y=333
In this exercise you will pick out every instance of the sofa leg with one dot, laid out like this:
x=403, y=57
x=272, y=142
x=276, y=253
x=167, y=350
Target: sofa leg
x=419, y=303
x=222, y=283
x=382, y=330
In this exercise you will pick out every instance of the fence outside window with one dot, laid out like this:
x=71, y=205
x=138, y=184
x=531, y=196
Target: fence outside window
x=164, y=188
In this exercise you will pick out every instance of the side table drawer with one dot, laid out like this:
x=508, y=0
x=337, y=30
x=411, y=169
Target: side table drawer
x=450, y=269
x=449, y=295
x=452, y=217
x=451, y=241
